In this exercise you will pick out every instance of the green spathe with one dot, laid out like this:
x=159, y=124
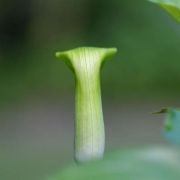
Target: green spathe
x=86, y=62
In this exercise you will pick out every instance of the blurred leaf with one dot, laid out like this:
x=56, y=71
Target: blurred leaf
x=169, y=120
x=171, y=6
x=172, y=125
x=155, y=163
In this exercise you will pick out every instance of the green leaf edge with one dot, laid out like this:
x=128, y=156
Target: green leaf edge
x=173, y=8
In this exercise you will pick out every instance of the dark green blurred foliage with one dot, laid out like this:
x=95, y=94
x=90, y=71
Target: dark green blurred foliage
x=31, y=31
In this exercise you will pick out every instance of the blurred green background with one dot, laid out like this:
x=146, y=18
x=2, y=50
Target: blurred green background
x=37, y=91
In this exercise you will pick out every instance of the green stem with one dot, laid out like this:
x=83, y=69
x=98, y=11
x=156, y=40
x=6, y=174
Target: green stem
x=89, y=126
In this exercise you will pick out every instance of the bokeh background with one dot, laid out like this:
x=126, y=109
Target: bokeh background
x=37, y=91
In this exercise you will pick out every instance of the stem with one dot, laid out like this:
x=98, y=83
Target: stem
x=89, y=126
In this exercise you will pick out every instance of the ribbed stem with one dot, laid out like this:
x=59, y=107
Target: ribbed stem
x=89, y=131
